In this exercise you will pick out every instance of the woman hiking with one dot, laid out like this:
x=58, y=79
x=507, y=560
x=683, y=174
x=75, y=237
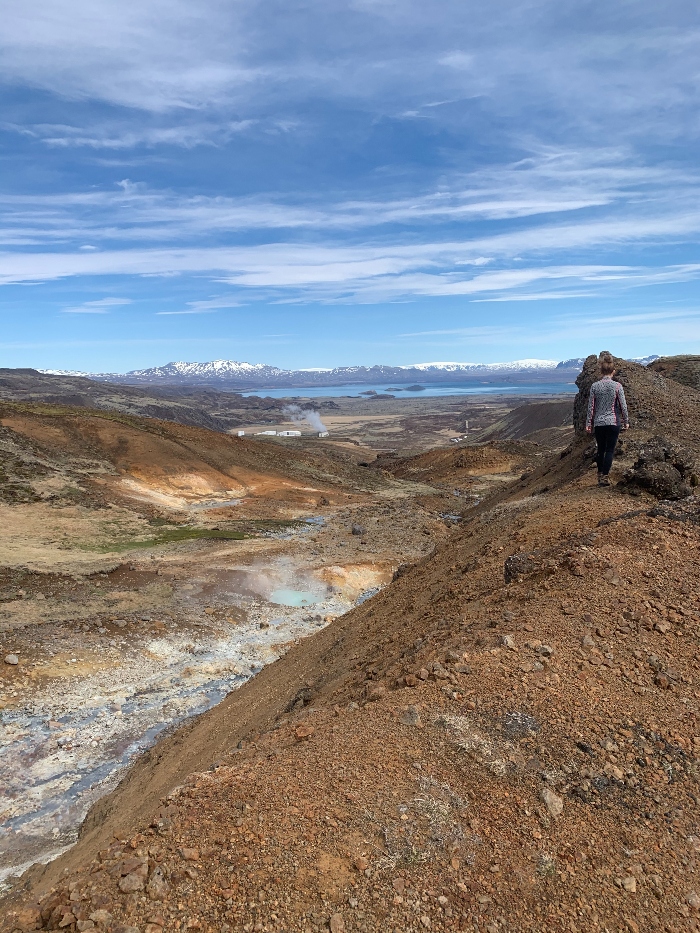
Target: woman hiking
x=607, y=415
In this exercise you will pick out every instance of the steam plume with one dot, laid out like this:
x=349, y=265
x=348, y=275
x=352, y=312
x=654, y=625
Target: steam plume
x=300, y=415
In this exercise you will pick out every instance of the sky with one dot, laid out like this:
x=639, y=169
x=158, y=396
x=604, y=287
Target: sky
x=315, y=183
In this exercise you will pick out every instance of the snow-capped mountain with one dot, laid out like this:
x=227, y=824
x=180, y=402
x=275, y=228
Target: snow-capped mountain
x=216, y=369
x=514, y=365
x=234, y=375
x=578, y=361
x=644, y=360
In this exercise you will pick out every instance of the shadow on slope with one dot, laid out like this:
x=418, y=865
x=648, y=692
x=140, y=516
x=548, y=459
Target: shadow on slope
x=543, y=422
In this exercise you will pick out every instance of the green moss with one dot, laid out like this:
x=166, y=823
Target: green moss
x=172, y=536
x=233, y=531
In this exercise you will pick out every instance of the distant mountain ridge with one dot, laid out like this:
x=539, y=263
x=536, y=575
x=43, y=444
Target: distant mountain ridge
x=577, y=362
x=237, y=375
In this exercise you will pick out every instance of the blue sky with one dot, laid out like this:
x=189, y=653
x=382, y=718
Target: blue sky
x=320, y=183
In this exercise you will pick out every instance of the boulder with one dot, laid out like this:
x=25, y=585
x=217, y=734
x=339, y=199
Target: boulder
x=665, y=469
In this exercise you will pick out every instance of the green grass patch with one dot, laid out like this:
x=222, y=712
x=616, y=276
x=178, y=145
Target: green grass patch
x=233, y=531
x=173, y=536
x=266, y=524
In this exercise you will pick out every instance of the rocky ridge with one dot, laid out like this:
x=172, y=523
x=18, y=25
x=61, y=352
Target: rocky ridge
x=684, y=369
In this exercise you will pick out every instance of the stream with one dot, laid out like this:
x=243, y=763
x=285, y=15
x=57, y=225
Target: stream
x=69, y=746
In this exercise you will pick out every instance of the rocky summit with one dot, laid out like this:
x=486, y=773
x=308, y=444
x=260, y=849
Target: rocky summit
x=504, y=738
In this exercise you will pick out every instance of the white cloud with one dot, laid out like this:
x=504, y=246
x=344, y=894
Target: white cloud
x=535, y=296
x=191, y=311
x=485, y=331
x=530, y=62
x=124, y=136
x=614, y=199
x=152, y=55
x=208, y=306
x=100, y=306
x=286, y=271
x=674, y=327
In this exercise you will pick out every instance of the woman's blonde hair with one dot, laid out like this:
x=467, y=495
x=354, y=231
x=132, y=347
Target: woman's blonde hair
x=606, y=363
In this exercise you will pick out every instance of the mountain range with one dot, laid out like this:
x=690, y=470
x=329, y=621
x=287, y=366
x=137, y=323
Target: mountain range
x=231, y=374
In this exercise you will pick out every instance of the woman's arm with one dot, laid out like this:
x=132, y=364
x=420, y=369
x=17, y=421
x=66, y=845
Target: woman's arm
x=591, y=410
x=623, y=406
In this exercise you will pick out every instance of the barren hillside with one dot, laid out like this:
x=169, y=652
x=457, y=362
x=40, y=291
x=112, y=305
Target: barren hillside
x=471, y=467
x=533, y=422
x=504, y=739
x=166, y=463
x=220, y=411
x=684, y=369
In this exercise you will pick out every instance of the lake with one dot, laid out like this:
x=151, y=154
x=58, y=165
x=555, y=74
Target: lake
x=431, y=390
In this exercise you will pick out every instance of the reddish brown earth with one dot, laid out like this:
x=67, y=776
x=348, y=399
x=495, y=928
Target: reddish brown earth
x=460, y=466
x=148, y=459
x=504, y=739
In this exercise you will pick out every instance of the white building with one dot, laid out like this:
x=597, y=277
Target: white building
x=240, y=433
x=265, y=432
x=323, y=433
x=289, y=433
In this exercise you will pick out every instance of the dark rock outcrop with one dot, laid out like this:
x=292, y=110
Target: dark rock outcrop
x=684, y=369
x=657, y=405
x=665, y=469
x=630, y=376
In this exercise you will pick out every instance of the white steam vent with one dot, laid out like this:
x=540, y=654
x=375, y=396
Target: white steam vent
x=305, y=415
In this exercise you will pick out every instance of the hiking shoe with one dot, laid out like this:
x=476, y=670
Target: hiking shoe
x=603, y=480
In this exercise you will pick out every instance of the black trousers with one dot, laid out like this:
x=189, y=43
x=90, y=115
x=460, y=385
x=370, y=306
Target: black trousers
x=606, y=436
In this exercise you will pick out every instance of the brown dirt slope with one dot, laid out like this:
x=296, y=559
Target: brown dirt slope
x=455, y=466
x=167, y=462
x=530, y=419
x=684, y=369
x=504, y=739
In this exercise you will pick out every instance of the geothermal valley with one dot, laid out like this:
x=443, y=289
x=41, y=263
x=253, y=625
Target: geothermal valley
x=393, y=679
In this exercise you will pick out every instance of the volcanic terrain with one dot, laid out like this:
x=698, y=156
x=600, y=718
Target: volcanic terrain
x=504, y=738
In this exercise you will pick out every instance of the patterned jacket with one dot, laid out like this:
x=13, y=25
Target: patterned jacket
x=607, y=405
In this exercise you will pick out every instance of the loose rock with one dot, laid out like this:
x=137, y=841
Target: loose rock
x=410, y=716
x=553, y=802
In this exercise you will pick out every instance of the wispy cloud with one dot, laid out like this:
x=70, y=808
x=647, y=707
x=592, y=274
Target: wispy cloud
x=191, y=311
x=545, y=189
x=534, y=296
x=208, y=306
x=99, y=306
x=123, y=136
x=350, y=154
x=649, y=324
x=342, y=273
x=483, y=331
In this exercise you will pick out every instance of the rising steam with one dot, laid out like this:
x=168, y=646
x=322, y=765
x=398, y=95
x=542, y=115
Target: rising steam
x=300, y=415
